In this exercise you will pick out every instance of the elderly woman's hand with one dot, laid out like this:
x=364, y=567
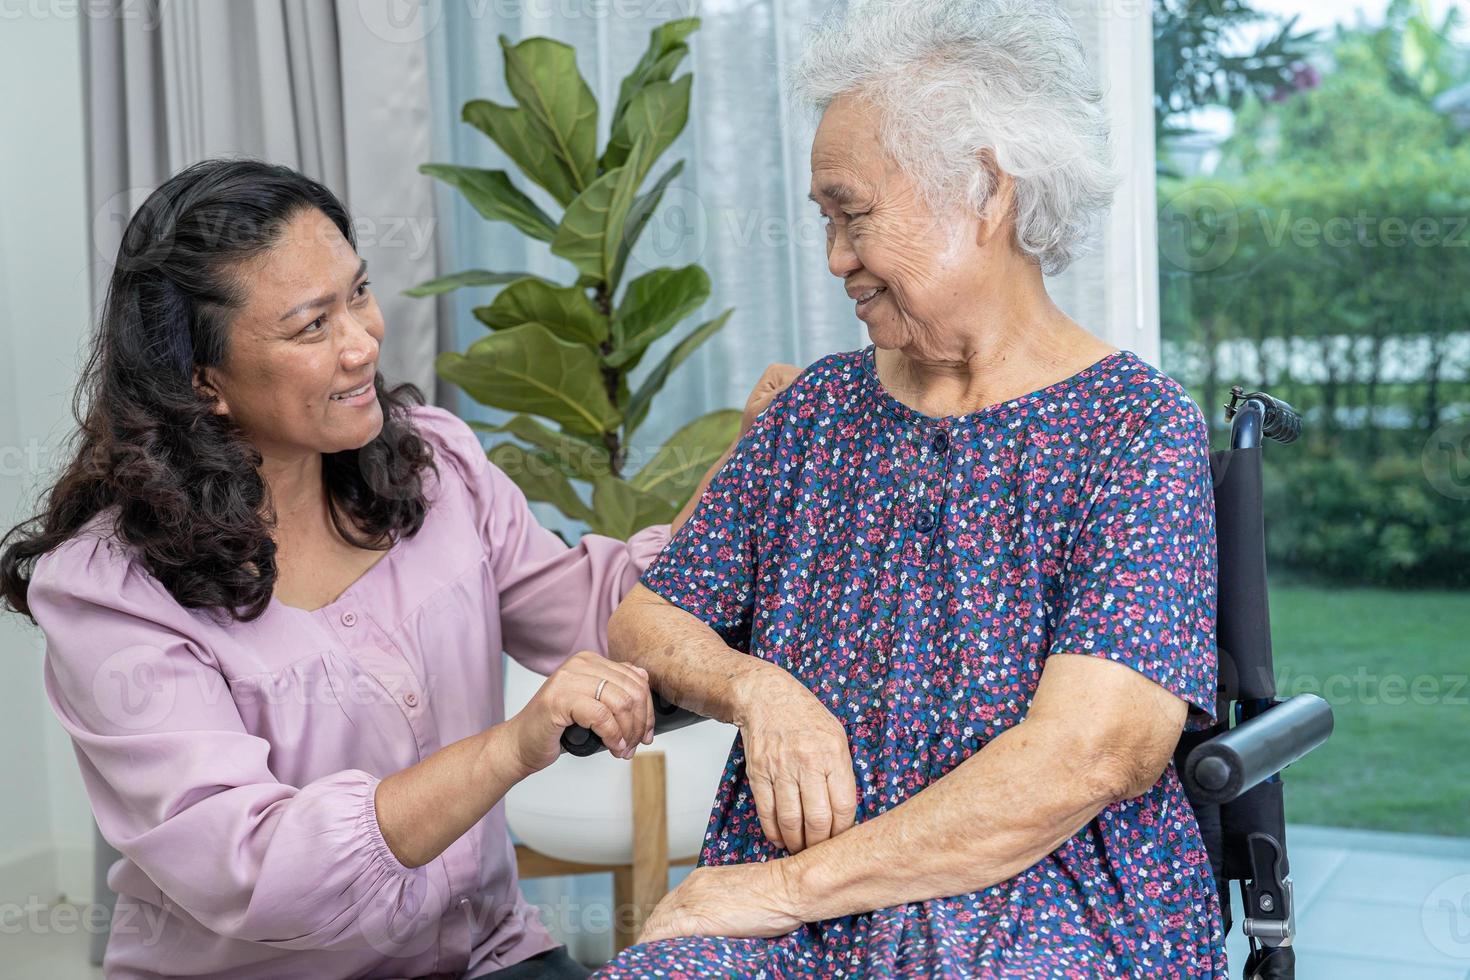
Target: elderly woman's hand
x=798, y=762
x=738, y=901
x=776, y=379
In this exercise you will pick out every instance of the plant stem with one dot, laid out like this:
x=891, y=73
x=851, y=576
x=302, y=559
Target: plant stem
x=612, y=379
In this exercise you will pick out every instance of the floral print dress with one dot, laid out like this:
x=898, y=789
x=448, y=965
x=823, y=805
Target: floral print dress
x=915, y=573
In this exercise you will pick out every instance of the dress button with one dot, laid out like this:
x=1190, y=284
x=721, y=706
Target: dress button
x=349, y=618
x=941, y=443
x=411, y=699
x=925, y=521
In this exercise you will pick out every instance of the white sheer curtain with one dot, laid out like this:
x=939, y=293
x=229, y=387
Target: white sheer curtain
x=740, y=209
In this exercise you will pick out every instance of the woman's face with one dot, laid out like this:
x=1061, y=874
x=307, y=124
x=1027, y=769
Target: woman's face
x=309, y=331
x=881, y=236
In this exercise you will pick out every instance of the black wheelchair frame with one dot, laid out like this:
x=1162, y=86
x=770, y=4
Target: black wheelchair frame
x=1230, y=772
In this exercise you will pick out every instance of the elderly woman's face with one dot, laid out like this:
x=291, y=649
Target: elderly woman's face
x=309, y=332
x=905, y=267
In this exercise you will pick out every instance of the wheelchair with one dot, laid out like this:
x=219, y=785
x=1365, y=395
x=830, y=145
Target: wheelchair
x=1231, y=772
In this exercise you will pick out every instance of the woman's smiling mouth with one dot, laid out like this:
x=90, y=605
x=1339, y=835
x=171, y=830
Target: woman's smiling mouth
x=357, y=396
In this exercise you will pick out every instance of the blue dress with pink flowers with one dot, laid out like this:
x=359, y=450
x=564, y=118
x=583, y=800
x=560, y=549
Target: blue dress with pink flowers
x=915, y=573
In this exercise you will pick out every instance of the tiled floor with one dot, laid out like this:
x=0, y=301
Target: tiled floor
x=1369, y=905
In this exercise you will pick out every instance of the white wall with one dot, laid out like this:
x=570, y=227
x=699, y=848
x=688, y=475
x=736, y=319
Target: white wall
x=45, y=823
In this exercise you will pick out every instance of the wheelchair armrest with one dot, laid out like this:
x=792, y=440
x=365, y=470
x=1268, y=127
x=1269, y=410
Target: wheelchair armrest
x=668, y=717
x=1226, y=766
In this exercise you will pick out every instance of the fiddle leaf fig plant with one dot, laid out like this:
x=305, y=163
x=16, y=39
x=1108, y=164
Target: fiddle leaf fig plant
x=562, y=356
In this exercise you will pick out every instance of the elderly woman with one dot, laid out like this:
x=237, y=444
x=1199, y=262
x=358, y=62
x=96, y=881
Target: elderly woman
x=955, y=589
x=275, y=594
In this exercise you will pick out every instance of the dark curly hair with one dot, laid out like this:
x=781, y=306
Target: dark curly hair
x=184, y=479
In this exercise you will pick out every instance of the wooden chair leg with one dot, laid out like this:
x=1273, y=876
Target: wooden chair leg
x=638, y=890
x=625, y=920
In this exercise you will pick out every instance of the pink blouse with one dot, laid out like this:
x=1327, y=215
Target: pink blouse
x=234, y=765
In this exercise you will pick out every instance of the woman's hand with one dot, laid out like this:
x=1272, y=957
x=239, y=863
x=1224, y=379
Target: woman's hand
x=739, y=901
x=798, y=762
x=622, y=717
x=776, y=379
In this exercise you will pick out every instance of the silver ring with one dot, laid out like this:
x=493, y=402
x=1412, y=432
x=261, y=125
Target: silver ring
x=600, y=685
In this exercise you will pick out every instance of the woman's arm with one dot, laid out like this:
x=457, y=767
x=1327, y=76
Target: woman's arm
x=797, y=757
x=423, y=809
x=1097, y=733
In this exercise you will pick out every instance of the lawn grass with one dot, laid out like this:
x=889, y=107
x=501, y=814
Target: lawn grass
x=1396, y=668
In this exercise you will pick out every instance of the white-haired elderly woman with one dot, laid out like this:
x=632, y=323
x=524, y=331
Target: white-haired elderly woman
x=956, y=589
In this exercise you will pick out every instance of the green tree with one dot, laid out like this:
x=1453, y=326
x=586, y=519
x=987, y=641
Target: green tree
x=1195, y=64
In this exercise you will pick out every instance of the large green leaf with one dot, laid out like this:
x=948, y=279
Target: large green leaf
x=539, y=479
x=565, y=311
x=666, y=49
x=652, y=306
x=593, y=224
x=577, y=457
x=560, y=108
x=527, y=369
x=638, y=405
x=638, y=216
x=621, y=509
x=470, y=277
x=495, y=197
x=658, y=113
x=512, y=131
x=681, y=463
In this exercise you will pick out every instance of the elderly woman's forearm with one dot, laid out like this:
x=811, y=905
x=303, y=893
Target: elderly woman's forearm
x=687, y=662
x=995, y=815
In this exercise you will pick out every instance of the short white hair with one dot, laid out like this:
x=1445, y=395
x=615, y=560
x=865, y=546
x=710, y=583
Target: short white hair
x=950, y=78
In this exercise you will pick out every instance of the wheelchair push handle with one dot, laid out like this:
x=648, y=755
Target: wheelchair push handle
x=668, y=717
x=1257, y=415
x=1226, y=766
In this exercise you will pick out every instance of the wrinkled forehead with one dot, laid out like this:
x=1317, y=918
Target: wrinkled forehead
x=847, y=151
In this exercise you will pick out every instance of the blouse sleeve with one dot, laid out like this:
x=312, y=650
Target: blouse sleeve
x=180, y=787
x=555, y=600
x=709, y=568
x=1140, y=579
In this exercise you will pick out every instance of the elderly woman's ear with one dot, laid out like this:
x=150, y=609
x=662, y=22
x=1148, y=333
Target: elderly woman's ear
x=997, y=216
